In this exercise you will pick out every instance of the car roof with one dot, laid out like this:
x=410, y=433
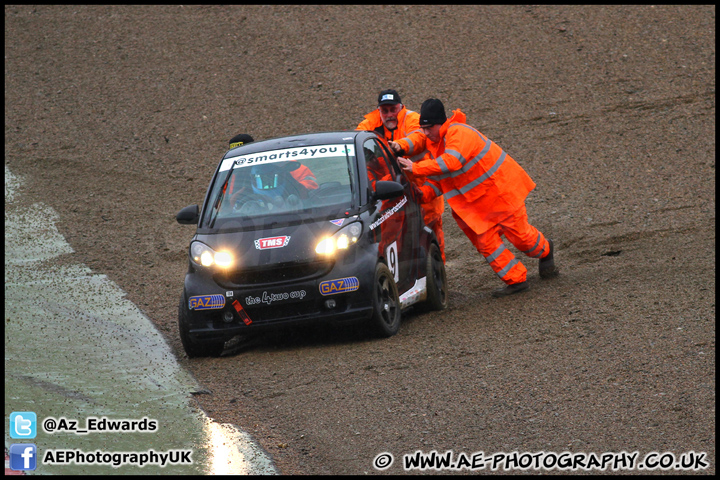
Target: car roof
x=318, y=138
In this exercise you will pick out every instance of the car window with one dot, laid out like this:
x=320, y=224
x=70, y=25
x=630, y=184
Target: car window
x=392, y=162
x=376, y=160
x=297, y=179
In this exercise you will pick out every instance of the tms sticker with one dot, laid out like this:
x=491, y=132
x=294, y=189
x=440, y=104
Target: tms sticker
x=338, y=222
x=272, y=242
x=341, y=285
x=206, y=302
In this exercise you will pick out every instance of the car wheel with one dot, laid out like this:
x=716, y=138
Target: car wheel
x=386, y=302
x=194, y=348
x=436, y=280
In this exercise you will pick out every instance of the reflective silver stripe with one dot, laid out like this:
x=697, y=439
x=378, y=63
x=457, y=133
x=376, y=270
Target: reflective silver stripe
x=496, y=253
x=478, y=180
x=476, y=159
x=435, y=189
x=466, y=167
x=410, y=145
x=457, y=155
x=452, y=193
x=485, y=175
x=442, y=165
x=420, y=155
x=537, y=242
x=507, y=268
x=539, y=254
x=406, y=119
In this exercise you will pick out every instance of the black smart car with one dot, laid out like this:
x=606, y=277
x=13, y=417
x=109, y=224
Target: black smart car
x=317, y=227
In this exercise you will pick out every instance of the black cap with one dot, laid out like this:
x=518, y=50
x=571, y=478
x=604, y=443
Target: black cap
x=240, y=139
x=388, y=97
x=432, y=112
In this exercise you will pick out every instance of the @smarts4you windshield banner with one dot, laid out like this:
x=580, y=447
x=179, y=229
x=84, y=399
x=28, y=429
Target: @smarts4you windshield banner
x=285, y=154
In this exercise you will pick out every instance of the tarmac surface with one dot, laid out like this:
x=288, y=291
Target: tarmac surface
x=118, y=116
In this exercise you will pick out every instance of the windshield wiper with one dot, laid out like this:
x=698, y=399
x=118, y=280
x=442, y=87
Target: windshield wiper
x=351, y=173
x=221, y=195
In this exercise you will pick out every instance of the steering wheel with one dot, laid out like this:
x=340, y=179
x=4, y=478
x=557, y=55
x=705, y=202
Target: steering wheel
x=250, y=203
x=295, y=188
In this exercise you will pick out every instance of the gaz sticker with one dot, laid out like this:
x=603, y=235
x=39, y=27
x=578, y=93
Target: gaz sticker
x=206, y=302
x=341, y=285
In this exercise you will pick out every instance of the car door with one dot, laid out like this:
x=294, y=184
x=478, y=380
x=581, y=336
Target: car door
x=399, y=218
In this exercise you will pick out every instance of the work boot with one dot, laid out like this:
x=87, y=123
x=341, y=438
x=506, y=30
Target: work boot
x=510, y=289
x=547, y=263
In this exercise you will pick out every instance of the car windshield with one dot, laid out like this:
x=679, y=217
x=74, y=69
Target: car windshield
x=314, y=179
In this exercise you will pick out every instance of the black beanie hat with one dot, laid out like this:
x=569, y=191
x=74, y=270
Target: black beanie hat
x=432, y=112
x=240, y=139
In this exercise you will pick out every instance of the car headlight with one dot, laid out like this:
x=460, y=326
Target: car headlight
x=341, y=240
x=207, y=257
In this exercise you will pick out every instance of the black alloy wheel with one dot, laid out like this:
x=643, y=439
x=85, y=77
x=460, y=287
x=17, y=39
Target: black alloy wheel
x=386, y=303
x=436, y=280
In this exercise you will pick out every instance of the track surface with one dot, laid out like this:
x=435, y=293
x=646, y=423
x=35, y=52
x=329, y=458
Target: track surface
x=119, y=114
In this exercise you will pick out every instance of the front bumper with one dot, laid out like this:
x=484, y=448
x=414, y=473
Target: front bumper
x=341, y=295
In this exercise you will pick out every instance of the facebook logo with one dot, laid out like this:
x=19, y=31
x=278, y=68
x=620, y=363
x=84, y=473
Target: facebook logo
x=23, y=425
x=23, y=456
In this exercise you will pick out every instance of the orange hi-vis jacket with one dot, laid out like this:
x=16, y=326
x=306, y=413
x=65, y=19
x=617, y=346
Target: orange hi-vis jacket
x=408, y=122
x=481, y=183
x=306, y=177
x=302, y=174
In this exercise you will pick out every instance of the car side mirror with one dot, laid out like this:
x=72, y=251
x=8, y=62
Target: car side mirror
x=188, y=215
x=386, y=190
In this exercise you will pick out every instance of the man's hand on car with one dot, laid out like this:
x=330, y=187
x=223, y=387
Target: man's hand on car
x=405, y=163
x=395, y=147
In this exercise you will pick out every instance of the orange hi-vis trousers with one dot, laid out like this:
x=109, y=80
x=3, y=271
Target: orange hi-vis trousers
x=518, y=230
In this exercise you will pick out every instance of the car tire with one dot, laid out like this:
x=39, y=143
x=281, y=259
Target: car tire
x=386, y=303
x=194, y=348
x=436, y=280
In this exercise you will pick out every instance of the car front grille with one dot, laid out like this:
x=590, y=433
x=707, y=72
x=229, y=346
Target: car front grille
x=275, y=274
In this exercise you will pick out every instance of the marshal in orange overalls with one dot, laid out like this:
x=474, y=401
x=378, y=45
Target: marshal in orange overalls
x=408, y=122
x=486, y=190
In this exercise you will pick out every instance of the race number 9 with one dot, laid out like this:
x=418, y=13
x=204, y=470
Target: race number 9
x=392, y=259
